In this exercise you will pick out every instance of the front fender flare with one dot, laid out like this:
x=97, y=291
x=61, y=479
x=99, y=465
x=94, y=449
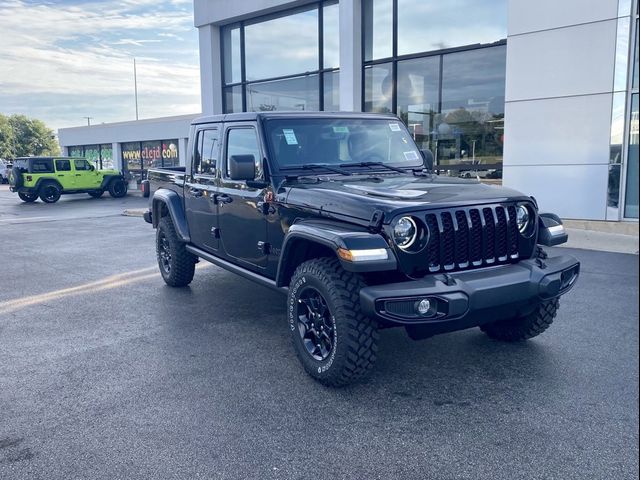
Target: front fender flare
x=172, y=201
x=107, y=179
x=333, y=237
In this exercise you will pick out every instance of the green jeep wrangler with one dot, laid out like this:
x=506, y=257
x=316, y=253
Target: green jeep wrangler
x=50, y=177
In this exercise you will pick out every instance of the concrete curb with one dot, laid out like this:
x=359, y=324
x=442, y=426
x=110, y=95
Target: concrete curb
x=602, y=241
x=134, y=212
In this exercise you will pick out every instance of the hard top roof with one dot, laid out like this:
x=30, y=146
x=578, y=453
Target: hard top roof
x=253, y=116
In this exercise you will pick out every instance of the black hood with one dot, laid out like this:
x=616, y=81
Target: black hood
x=359, y=196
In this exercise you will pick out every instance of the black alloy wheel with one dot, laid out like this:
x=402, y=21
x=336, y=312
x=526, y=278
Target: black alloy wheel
x=164, y=252
x=315, y=324
x=50, y=193
x=118, y=188
x=28, y=197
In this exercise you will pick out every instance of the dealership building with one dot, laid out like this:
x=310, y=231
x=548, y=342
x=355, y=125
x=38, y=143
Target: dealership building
x=541, y=96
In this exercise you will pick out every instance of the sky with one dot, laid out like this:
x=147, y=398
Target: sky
x=64, y=60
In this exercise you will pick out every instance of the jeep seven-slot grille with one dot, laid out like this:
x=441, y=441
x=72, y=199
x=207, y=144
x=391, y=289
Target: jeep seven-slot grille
x=472, y=237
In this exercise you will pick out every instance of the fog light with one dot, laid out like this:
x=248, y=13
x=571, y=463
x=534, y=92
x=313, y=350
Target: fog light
x=424, y=306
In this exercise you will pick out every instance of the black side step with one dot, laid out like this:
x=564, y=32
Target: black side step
x=243, y=272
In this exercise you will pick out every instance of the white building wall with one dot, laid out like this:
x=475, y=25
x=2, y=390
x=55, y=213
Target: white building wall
x=559, y=84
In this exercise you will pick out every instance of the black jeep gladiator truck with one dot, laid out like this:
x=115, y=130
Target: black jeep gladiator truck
x=342, y=213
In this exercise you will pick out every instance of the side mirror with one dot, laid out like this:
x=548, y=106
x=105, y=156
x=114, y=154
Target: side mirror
x=242, y=167
x=427, y=155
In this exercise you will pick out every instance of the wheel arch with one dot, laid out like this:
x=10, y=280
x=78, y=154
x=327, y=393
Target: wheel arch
x=107, y=179
x=45, y=181
x=168, y=203
x=307, y=240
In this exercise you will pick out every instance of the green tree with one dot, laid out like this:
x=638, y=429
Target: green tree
x=6, y=137
x=26, y=137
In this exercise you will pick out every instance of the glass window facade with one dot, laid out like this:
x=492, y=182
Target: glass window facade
x=377, y=18
x=100, y=155
x=426, y=26
x=444, y=79
x=287, y=58
x=631, y=199
x=301, y=93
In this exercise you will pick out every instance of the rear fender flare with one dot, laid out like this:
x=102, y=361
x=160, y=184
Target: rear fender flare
x=171, y=201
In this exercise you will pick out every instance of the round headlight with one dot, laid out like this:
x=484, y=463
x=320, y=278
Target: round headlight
x=523, y=218
x=405, y=232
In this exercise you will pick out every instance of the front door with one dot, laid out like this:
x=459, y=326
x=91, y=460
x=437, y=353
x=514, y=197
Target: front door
x=243, y=226
x=86, y=177
x=200, y=189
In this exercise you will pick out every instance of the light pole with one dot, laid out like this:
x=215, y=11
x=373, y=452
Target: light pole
x=135, y=84
x=88, y=121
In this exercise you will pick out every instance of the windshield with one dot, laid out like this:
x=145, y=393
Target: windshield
x=296, y=142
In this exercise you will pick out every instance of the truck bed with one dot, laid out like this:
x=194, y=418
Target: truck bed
x=171, y=178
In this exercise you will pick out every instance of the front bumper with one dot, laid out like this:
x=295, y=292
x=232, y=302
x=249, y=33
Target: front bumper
x=467, y=299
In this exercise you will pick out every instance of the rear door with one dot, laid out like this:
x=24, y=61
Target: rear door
x=200, y=188
x=64, y=173
x=243, y=226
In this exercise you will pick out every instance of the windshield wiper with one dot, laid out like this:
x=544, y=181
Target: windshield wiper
x=374, y=164
x=316, y=166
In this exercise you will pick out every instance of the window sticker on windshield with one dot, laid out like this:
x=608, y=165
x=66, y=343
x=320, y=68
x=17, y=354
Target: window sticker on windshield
x=395, y=127
x=343, y=129
x=410, y=156
x=290, y=136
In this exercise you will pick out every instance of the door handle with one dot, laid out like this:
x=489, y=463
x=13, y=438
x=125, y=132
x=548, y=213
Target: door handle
x=196, y=192
x=78, y=174
x=222, y=198
x=266, y=208
x=60, y=175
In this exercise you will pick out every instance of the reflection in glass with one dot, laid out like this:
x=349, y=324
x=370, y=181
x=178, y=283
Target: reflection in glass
x=631, y=197
x=282, y=46
x=170, y=153
x=151, y=154
x=615, y=154
x=332, y=91
x=132, y=158
x=470, y=127
x=418, y=97
x=231, y=54
x=75, y=151
x=378, y=88
x=622, y=55
x=624, y=7
x=378, y=28
x=426, y=26
x=331, y=36
x=302, y=93
x=636, y=47
x=106, y=156
x=92, y=153
x=233, y=99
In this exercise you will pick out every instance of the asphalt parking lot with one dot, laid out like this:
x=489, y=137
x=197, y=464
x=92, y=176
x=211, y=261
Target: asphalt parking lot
x=107, y=373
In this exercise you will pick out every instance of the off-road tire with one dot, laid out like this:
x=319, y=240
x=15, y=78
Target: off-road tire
x=522, y=328
x=96, y=193
x=182, y=264
x=355, y=341
x=50, y=192
x=117, y=188
x=28, y=197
